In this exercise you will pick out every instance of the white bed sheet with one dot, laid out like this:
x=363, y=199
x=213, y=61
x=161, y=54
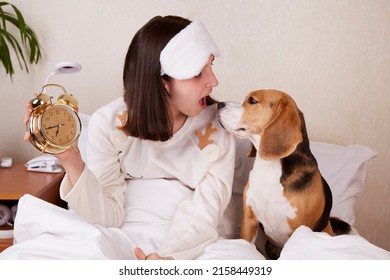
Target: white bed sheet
x=305, y=244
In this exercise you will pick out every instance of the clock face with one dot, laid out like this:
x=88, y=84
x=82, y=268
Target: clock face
x=60, y=125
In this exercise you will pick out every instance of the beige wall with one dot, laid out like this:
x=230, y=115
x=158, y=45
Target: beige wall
x=332, y=56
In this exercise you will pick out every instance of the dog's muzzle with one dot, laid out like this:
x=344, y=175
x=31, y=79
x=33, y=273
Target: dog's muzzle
x=229, y=116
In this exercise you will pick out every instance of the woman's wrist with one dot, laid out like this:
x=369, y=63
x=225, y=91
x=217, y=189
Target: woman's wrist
x=72, y=163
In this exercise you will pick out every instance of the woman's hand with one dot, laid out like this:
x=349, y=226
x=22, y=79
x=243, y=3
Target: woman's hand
x=27, y=135
x=140, y=255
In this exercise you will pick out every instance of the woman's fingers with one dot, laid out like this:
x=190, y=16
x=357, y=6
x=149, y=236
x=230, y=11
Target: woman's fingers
x=154, y=256
x=139, y=254
x=26, y=118
x=29, y=110
x=28, y=107
x=27, y=136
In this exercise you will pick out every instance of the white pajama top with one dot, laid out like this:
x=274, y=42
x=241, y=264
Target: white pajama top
x=200, y=157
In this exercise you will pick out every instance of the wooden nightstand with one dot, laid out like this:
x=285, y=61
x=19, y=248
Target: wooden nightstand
x=17, y=181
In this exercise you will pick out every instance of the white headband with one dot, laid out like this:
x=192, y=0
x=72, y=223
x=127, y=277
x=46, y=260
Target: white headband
x=188, y=52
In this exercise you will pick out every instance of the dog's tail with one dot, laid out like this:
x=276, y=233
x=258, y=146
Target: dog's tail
x=339, y=226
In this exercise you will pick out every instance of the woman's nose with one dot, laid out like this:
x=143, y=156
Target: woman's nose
x=213, y=81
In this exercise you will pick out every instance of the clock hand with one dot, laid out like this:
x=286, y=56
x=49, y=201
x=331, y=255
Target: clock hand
x=58, y=128
x=54, y=126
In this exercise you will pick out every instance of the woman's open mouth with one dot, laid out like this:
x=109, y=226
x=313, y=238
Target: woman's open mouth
x=202, y=102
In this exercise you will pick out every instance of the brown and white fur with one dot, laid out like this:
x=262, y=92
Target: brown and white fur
x=285, y=188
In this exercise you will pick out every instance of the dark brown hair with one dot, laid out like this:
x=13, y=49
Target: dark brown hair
x=149, y=115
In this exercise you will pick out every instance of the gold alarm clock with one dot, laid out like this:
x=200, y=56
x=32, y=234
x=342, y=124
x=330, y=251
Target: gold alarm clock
x=54, y=127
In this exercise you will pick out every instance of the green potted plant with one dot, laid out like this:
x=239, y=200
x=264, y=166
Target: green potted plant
x=25, y=45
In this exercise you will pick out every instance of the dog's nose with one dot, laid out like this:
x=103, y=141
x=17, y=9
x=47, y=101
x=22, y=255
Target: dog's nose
x=221, y=105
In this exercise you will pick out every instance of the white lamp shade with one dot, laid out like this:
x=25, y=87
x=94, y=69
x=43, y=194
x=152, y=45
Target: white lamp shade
x=66, y=67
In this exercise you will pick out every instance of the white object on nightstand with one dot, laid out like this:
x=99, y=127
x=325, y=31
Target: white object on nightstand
x=44, y=163
x=6, y=162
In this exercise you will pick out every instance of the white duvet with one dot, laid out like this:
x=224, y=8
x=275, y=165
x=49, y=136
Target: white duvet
x=45, y=231
x=305, y=244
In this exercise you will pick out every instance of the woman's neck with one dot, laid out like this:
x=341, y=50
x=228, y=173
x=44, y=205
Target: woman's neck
x=178, y=121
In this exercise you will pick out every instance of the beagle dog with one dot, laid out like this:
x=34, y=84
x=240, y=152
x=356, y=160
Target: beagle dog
x=285, y=188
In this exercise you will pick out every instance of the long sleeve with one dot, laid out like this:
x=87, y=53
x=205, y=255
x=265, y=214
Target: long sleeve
x=98, y=195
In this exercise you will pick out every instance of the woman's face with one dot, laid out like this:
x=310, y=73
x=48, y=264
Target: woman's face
x=188, y=97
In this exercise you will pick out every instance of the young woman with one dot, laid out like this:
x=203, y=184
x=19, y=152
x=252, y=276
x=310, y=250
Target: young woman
x=159, y=169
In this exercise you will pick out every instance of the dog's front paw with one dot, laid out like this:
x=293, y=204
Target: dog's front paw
x=272, y=251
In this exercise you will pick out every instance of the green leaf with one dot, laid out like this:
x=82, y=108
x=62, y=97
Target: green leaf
x=28, y=40
x=5, y=56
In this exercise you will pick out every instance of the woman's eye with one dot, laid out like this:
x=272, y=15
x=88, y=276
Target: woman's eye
x=251, y=100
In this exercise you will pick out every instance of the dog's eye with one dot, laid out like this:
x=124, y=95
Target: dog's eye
x=251, y=100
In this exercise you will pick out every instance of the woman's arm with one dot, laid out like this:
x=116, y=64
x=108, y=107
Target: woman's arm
x=72, y=163
x=98, y=192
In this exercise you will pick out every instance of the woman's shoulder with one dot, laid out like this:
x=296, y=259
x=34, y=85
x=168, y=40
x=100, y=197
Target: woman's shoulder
x=110, y=113
x=114, y=106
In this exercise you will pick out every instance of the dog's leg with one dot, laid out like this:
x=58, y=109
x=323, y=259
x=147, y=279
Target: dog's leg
x=249, y=221
x=249, y=225
x=272, y=251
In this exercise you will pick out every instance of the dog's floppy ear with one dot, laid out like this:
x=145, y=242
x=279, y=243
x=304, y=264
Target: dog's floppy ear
x=283, y=133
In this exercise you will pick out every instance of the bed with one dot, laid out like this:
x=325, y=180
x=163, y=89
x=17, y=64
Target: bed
x=343, y=167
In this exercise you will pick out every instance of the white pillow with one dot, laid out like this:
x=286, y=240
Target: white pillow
x=344, y=168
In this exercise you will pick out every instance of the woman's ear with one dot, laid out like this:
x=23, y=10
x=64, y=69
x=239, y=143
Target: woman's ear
x=282, y=135
x=166, y=84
